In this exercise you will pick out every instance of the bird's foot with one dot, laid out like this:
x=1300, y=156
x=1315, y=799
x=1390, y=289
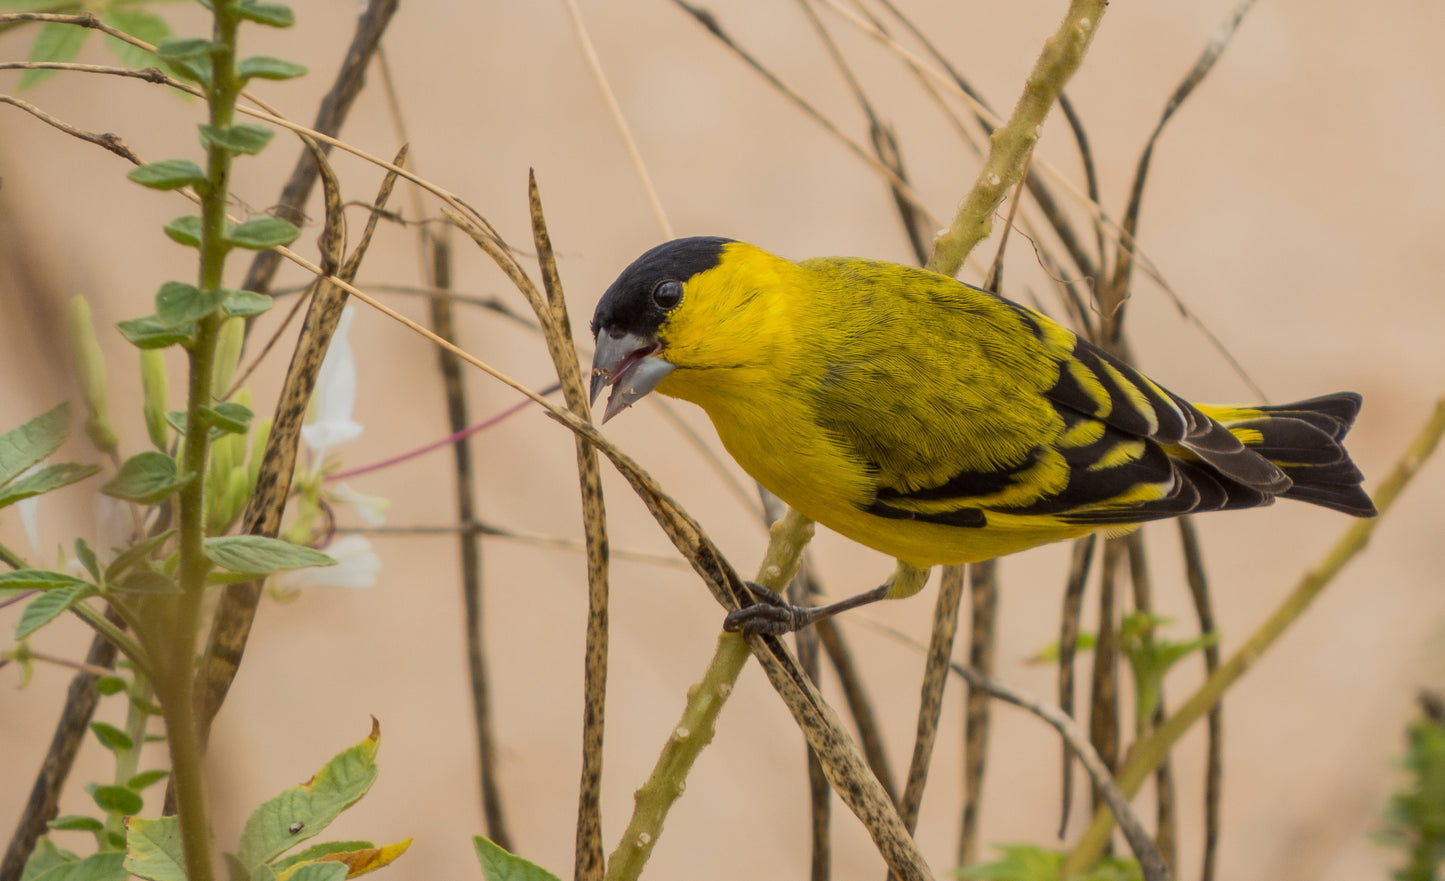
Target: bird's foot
x=772, y=615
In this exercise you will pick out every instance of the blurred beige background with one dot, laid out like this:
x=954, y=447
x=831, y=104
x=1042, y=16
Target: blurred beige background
x=1296, y=203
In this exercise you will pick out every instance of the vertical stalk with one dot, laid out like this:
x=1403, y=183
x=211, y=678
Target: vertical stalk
x=175, y=656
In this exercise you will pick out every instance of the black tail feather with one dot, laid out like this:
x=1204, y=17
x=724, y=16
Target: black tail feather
x=1305, y=440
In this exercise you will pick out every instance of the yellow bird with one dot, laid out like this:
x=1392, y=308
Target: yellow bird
x=934, y=421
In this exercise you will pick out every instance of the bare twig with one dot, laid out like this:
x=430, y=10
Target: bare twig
x=1214, y=761
x=109, y=141
x=552, y=313
x=1104, y=694
x=983, y=636
x=1069, y=626
x=930, y=701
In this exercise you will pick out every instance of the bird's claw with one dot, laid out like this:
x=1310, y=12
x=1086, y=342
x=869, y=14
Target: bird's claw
x=772, y=615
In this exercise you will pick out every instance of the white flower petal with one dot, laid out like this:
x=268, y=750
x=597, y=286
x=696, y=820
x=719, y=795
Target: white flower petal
x=29, y=511
x=371, y=509
x=112, y=526
x=335, y=394
x=356, y=567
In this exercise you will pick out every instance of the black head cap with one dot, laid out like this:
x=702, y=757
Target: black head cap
x=633, y=304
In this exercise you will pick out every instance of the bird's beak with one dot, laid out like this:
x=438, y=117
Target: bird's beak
x=630, y=364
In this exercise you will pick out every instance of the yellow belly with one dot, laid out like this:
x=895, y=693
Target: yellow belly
x=818, y=480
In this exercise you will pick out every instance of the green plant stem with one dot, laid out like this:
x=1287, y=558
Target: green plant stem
x=174, y=656
x=127, y=761
x=1011, y=143
x=699, y=718
x=1148, y=753
x=133, y=650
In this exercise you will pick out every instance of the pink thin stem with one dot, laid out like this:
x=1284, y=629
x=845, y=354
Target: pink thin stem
x=444, y=442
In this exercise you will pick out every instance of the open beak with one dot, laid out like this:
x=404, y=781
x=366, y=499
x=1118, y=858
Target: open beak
x=630, y=363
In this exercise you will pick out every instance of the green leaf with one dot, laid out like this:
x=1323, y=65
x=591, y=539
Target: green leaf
x=240, y=138
x=140, y=24
x=24, y=445
x=197, y=69
x=147, y=778
x=168, y=174
x=499, y=865
x=244, y=304
x=184, y=48
x=263, y=233
x=267, y=68
x=153, y=849
x=107, y=866
x=134, y=554
x=46, y=479
x=149, y=333
x=48, y=606
x=275, y=15
x=178, y=303
x=110, y=685
x=258, y=555
x=86, y=556
x=185, y=230
x=146, y=478
x=146, y=581
x=55, y=42
x=310, y=807
x=111, y=737
x=37, y=579
x=329, y=870
x=45, y=857
x=229, y=416
x=317, y=851
x=76, y=823
x=115, y=799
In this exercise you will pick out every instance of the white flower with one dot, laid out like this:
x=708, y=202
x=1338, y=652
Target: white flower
x=29, y=511
x=371, y=509
x=334, y=397
x=356, y=568
x=112, y=527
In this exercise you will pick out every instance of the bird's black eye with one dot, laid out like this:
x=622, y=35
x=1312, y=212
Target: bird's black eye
x=667, y=293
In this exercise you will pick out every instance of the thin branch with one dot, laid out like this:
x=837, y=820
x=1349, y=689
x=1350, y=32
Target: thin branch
x=1070, y=618
x=1214, y=761
x=111, y=142
x=930, y=700
x=983, y=638
x=552, y=314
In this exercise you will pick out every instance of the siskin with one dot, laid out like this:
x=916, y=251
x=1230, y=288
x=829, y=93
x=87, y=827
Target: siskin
x=936, y=422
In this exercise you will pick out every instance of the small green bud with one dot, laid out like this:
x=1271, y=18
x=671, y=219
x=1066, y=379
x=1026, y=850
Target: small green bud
x=153, y=380
x=228, y=356
x=237, y=493
x=90, y=371
x=259, y=435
